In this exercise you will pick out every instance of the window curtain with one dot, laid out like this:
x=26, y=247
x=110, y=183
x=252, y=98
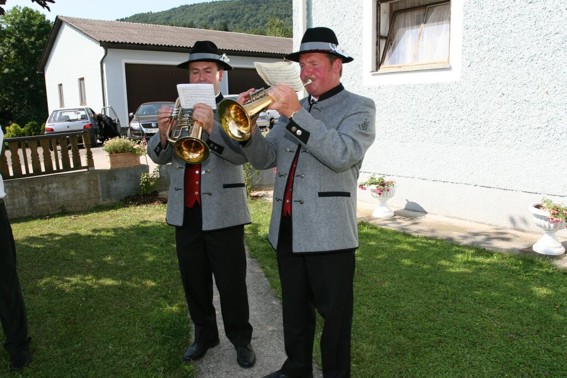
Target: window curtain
x=421, y=36
x=406, y=27
x=434, y=42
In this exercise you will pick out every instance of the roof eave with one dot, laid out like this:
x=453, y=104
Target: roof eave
x=148, y=47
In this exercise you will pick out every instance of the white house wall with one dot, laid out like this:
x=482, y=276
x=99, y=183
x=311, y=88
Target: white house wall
x=482, y=140
x=73, y=56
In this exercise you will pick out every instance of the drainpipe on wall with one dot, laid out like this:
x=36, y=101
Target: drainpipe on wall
x=300, y=24
x=102, y=78
x=301, y=14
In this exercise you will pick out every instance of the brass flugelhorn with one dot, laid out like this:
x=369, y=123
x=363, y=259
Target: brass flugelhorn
x=236, y=119
x=185, y=134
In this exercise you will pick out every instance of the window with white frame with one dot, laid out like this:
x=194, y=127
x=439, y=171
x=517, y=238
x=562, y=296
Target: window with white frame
x=61, y=98
x=413, y=35
x=82, y=91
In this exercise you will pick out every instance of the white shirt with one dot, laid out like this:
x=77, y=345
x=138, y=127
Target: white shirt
x=2, y=192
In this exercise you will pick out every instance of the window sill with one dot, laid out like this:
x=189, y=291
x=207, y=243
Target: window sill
x=413, y=67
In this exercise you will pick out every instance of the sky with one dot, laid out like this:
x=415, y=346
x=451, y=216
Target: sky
x=100, y=9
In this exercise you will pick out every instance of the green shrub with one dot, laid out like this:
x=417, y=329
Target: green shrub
x=33, y=128
x=14, y=131
x=251, y=178
x=30, y=129
x=121, y=144
x=149, y=182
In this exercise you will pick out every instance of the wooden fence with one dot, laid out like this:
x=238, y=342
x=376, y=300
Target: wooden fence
x=44, y=154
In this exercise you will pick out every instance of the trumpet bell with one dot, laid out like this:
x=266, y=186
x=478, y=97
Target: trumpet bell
x=191, y=150
x=185, y=134
x=234, y=119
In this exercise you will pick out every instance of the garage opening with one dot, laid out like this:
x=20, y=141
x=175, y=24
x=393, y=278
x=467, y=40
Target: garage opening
x=155, y=82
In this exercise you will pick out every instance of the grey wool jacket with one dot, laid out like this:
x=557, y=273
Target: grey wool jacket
x=223, y=191
x=333, y=135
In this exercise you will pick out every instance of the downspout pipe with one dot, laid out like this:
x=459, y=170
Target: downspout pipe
x=301, y=15
x=102, y=78
x=300, y=21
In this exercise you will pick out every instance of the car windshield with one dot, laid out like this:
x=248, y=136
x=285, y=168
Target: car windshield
x=68, y=115
x=149, y=109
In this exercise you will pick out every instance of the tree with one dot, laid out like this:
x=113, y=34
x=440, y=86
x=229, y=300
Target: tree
x=23, y=36
x=42, y=3
x=278, y=28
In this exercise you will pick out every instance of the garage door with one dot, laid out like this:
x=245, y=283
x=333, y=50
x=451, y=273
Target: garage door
x=155, y=82
x=152, y=82
x=242, y=79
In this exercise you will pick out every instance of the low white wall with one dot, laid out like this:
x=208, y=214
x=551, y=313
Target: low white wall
x=73, y=191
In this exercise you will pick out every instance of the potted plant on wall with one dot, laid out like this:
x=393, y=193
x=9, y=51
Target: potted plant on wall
x=550, y=217
x=381, y=189
x=124, y=152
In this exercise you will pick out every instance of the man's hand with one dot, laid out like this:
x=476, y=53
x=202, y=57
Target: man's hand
x=285, y=100
x=164, y=121
x=203, y=114
x=244, y=97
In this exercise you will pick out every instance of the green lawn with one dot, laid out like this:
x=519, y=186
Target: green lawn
x=429, y=308
x=103, y=294
x=104, y=299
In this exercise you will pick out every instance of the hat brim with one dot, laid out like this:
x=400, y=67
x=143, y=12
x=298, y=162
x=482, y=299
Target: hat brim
x=295, y=56
x=185, y=65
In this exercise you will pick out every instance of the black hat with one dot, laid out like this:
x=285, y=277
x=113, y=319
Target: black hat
x=206, y=51
x=320, y=40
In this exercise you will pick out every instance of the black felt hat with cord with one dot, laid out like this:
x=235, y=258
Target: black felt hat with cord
x=320, y=39
x=206, y=51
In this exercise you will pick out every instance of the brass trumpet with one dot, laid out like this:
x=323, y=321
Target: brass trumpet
x=185, y=134
x=236, y=119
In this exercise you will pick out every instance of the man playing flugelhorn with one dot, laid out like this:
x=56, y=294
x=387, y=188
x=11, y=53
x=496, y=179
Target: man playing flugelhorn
x=207, y=205
x=318, y=144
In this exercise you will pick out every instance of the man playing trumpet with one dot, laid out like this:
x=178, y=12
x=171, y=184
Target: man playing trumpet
x=318, y=145
x=207, y=206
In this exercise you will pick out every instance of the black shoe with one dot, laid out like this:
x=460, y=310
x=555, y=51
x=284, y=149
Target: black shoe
x=245, y=356
x=20, y=360
x=198, y=349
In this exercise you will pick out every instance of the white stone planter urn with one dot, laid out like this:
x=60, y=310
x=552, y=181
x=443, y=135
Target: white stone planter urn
x=548, y=244
x=383, y=195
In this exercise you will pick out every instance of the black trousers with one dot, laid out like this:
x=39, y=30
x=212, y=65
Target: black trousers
x=220, y=253
x=12, y=308
x=322, y=282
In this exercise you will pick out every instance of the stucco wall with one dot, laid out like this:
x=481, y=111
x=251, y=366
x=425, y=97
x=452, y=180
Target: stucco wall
x=489, y=142
x=84, y=190
x=73, y=56
x=73, y=191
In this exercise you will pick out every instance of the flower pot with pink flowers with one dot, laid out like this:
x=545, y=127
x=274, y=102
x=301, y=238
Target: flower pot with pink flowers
x=382, y=189
x=550, y=217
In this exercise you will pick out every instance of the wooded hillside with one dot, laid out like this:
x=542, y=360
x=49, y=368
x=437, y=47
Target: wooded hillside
x=266, y=17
